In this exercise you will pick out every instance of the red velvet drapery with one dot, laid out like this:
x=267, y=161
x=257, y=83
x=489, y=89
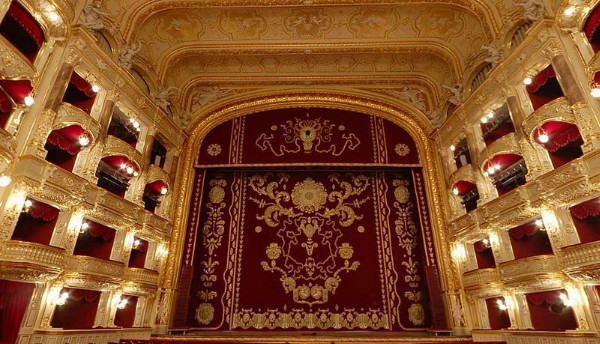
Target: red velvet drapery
x=67, y=138
x=137, y=259
x=544, y=88
x=43, y=211
x=27, y=22
x=498, y=318
x=560, y=134
x=97, y=241
x=17, y=89
x=548, y=313
x=125, y=317
x=484, y=255
x=79, y=93
x=79, y=311
x=586, y=209
x=522, y=231
x=36, y=224
x=591, y=29
x=14, y=299
x=529, y=240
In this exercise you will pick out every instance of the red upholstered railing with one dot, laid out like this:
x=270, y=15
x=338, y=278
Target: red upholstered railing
x=549, y=313
x=544, y=88
x=14, y=299
x=79, y=310
x=586, y=217
x=22, y=31
x=96, y=241
x=36, y=223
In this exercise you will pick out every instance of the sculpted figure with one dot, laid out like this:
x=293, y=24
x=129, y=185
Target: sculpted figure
x=532, y=9
x=494, y=53
x=127, y=55
x=456, y=91
x=91, y=17
x=162, y=97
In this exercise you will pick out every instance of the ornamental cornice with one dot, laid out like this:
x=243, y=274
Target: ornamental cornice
x=514, y=198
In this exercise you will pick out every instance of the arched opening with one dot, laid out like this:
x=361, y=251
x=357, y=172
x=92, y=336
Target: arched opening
x=302, y=193
x=21, y=29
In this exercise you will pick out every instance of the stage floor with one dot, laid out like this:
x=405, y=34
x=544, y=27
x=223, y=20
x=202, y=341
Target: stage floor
x=357, y=337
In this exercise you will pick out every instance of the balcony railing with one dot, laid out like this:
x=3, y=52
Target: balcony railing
x=480, y=277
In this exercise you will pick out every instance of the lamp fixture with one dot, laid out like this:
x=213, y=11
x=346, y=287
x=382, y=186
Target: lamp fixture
x=164, y=190
x=565, y=300
x=455, y=191
x=28, y=204
x=122, y=304
x=95, y=88
x=4, y=180
x=527, y=81
x=129, y=169
x=136, y=243
x=29, y=100
x=453, y=148
x=491, y=170
x=595, y=92
x=62, y=299
x=84, y=140
x=490, y=114
x=501, y=305
x=569, y=11
x=484, y=119
x=84, y=227
x=485, y=241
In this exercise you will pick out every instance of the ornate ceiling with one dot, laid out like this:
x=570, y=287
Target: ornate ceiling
x=404, y=50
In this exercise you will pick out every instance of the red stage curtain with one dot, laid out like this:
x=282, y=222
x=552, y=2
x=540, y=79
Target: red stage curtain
x=591, y=29
x=14, y=299
x=498, y=318
x=79, y=311
x=125, y=317
x=82, y=85
x=97, y=241
x=548, y=313
x=17, y=89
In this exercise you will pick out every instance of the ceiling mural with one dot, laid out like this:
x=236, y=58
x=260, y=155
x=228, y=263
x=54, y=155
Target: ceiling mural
x=213, y=50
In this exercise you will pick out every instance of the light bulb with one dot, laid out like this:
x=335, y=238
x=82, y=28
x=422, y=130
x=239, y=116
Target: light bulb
x=484, y=120
x=527, y=81
x=485, y=173
x=135, y=174
x=453, y=148
x=569, y=11
x=122, y=304
x=28, y=203
x=501, y=305
x=539, y=223
x=129, y=170
x=595, y=92
x=136, y=243
x=485, y=241
x=490, y=170
x=490, y=114
x=5, y=180
x=95, y=88
x=543, y=138
x=53, y=16
x=85, y=225
x=131, y=120
x=164, y=191
x=28, y=100
x=84, y=140
x=137, y=129
x=123, y=166
x=455, y=191
x=497, y=167
x=136, y=124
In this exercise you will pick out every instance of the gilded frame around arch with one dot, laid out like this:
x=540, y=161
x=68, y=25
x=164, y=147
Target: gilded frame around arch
x=409, y=119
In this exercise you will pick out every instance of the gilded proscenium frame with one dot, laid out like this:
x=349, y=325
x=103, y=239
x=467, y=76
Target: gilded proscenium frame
x=411, y=120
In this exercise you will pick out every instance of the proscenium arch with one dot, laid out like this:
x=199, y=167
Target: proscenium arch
x=408, y=120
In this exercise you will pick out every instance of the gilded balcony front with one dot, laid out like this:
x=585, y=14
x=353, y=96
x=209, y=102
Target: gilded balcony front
x=68, y=114
x=557, y=110
x=480, y=277
x=115, y=146
x=31, y=261
x=581, y=261
x=141, y=276
x=91, y=268
x=14, y=64
x=529, y=268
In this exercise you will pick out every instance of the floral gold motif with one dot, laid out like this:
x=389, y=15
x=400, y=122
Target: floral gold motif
x=213, y=149
x=309, y=196
x=205, y=313
x=401, y=149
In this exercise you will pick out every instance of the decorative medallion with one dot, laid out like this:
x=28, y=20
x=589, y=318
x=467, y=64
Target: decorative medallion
x=205, y=313
x=401, y=149
x=309, y=196
x=308, y=135
x=214, y=149
x=416, y=314
x=308, y=23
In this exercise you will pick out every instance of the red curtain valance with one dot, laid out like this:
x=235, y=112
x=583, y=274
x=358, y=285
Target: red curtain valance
x=98, y=230
x=43, y=211
x=586, y=209
x=17, y=89
x=464, y=187
x=5, y=104
x=156, y=186
x=480, y=246
x=541, y=79
x=504, y=160
x=80, y=294
x=27, y=22
x=560, y=134
x=522, y=231
x=67, y=138
x=592, y=23
x=82, y=85
x=546, y=297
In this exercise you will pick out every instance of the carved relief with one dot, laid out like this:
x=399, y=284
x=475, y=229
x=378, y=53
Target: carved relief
x=373, y=22
x=308, y=23
x=243, y=24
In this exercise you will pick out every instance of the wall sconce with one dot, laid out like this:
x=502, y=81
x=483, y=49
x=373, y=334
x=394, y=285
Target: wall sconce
x=527, y=81
x=29, y=100
x=28, y=203
x=84, y=139
x=56, y=298
x=459, y=253
x=135, y=124
x=122, y=304
x=565, y=300
x=136, y=243
x=84, y=227
x=501, y=305
x=569, y=11
x=162, y=251
x=453, y=148
x=95, y=88
x=5, y=180
x=455, y=191
x=595, y=92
